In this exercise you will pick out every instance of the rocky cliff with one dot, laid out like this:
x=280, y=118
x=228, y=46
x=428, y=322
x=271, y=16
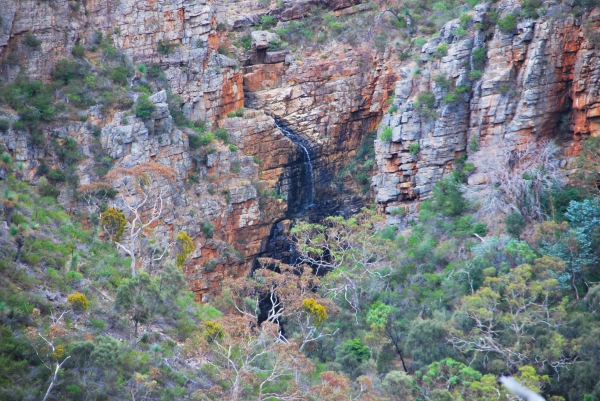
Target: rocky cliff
x=476, y=87
x=492, y=90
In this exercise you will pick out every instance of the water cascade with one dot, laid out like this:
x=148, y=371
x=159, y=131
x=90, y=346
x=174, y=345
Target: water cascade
x=308, y=182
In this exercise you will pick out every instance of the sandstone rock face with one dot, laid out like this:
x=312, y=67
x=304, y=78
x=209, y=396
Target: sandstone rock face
x=261, y=39
x=534, y=85
x=190, y=33
x=330, y=102
x=539, y=81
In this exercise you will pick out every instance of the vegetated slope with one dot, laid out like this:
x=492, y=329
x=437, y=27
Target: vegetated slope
x=433, y=313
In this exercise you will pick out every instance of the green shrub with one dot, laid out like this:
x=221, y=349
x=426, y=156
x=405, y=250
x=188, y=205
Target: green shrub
x=277, y=44
x=78, y=51
x=144, y=107
x=414, y=148
x=233, y=148
x=419, y=42
x=4, y=125
x=530, y=8
x=515, y=223
x=67, y=71
x=448, y=198
x=464, y=20
x=399, y=211
x=222, y=134
x=154, y=70
x=479, y=56
x=194, y=141
x=442, y=50
x=56, y=175
x=267, y=21
x=386, y=134
x=393, y=109
x=239, y=112
x=425, y=99
x=119, y=75
x=473, y=144
x=33, y=42
x=235, y=167
x=165, y=47
x=442, y=81
x=246, y=42
x=450, y=98
x=210, y=266
x=208, y=228
x=508, y=23
x=224, y=51
x=461, y=90
x=475, y=75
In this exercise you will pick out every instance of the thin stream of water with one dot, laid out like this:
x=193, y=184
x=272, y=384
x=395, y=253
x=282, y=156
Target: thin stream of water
x=298, y=140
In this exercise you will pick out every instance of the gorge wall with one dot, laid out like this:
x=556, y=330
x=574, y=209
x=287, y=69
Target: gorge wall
x=331, y=93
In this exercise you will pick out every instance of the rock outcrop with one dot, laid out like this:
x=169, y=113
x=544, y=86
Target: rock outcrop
x=466, y=89
x=534, y=84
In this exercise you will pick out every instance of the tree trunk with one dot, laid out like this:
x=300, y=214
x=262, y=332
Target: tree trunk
x=133, y=260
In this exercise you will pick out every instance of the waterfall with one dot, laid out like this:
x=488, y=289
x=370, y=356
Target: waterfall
x=308, y=170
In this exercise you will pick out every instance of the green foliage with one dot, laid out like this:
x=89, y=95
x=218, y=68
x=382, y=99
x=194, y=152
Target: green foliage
x=222, y=134
x=588, y=164
x=414, y=148
x=351, y=354
x=442, y=81
x=515, y=223
x=419, y=42
x=144, y=107
x=78, y=51
x=425, y=100
x=33, y=42
x=267, y=21
x=207, y=228
x=67, y=71
x=138, y=298
x=165, y=47
x=441, y=50
x=508, y=23
x=33, y=100
x=235, y=167
x=119, y=75
x=386, y=134
x=530, y=7
x=277, y=44
x=378, y=315
x=475, y=75
x=448, y=198
x=479, y=57
x=4, y=125
x=246, y=42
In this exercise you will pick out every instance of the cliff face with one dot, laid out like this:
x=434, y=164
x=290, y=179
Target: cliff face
x=535, y=81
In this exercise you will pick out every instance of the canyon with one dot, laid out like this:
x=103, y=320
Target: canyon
x=312, y=102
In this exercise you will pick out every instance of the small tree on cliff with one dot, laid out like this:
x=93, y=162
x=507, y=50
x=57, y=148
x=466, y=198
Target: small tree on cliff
x=137, y=297
x=143, y=201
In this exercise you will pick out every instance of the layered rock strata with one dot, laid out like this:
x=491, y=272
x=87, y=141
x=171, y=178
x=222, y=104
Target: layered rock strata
x=534, y=84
